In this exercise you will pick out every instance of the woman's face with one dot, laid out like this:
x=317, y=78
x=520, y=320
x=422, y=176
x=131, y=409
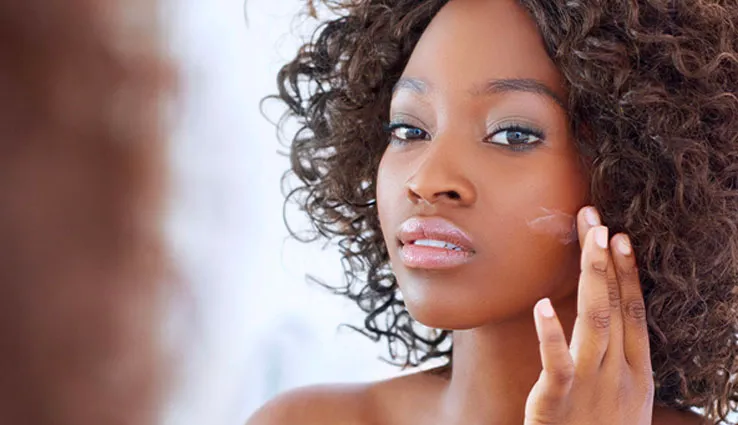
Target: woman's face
x=481, y=182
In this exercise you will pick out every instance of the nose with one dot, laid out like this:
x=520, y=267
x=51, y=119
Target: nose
x=440, y=177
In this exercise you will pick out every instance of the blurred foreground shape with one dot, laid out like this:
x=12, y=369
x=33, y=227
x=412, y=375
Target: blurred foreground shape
x=83, y=84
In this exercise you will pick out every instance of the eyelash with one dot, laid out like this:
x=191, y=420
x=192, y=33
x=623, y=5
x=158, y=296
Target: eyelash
x=518, y=127
x=513, y=127
x=391, y=127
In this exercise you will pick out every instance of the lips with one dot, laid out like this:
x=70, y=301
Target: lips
x=433, y=243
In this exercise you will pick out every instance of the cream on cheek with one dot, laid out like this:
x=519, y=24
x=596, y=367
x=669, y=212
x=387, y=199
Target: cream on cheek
x=560, y=225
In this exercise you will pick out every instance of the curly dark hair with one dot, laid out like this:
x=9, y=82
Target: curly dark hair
x=654, y=112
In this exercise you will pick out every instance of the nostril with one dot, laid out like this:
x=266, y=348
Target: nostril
x=454, y=195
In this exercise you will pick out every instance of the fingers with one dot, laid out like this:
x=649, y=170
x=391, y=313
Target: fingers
x=587, y=219
x=591, y=335
x=625, y=324
x=558, y=367
x=635, y=329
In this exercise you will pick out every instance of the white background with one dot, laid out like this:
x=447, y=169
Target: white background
x=256, y=327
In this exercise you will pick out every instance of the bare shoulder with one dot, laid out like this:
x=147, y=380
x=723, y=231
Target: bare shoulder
x=320, y=404
x=667, y=416
x=382, y=402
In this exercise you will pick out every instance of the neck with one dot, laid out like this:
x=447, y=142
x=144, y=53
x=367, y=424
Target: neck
x=495, y=367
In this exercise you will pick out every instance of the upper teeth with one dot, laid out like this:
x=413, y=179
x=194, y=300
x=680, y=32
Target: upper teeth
x=437, y=244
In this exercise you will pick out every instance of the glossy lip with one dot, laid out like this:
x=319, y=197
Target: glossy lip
x=424, y=257
x=436, y=228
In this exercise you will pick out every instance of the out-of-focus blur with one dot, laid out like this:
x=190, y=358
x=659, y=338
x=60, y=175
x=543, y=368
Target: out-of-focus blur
x=82, y=84
x=146, y=274
x=258, y=327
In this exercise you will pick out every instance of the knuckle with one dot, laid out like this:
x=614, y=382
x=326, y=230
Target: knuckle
x=628, y=271
x=599, y=269
x=562, y=375
x=554, y=339
x=635, y=310
x=599, y=318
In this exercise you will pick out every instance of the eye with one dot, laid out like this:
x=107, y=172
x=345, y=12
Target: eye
x=404, y=133
x=516, y=137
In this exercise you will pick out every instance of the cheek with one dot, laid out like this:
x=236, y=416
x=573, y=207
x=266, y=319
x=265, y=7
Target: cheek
x=387, y=195
x=541, y=225
x=542, y=211
x=552, y=214
x=527, y=228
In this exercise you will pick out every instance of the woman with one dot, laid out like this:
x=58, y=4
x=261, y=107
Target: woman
x=477, y=158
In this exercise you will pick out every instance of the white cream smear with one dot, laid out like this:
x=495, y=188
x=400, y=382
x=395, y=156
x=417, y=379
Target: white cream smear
x=556, y=223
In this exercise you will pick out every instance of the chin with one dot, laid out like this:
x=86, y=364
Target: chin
x=457, y=313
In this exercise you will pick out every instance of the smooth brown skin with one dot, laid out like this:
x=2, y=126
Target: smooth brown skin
x=492, y=193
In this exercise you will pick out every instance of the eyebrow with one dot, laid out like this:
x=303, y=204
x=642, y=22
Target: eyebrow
x=504, y=85
x=412, y=84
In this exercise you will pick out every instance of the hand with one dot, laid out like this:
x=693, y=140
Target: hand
x=605, y=377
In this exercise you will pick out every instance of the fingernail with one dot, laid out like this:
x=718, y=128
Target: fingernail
x=624, y=245
x=601, y=237
x=546, y=309
x=591, y=217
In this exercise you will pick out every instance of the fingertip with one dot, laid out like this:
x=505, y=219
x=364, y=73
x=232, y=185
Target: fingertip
x=591, y=216
x=601, y=236
x=542, y=315
x=545, y=308
x=549, y=330
x=624, y=261
x=621, y=243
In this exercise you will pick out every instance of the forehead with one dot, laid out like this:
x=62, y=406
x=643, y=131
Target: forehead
x=470, y=42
